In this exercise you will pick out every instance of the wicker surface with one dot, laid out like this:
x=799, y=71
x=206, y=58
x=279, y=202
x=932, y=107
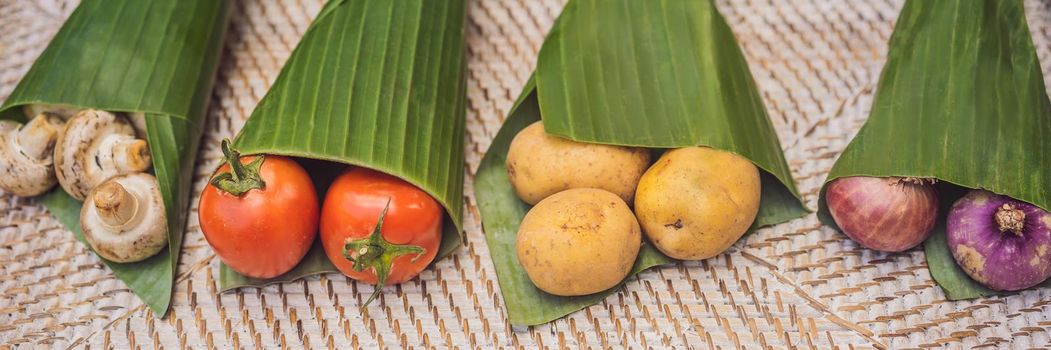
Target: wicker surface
x=794, y=285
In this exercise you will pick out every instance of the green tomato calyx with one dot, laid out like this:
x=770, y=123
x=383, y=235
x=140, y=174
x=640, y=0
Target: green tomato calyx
x=242, y=177
x=377, y=253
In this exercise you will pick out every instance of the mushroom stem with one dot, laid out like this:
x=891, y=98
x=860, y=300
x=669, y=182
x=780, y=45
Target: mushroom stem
x=115, y=205
x=132, y=155
x=1010, y=219
x=37, y=137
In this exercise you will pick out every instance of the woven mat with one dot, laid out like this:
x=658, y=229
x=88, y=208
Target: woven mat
x=796, y=285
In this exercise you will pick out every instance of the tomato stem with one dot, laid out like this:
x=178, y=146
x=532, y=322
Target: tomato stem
x=241, y=178
x=377, y=253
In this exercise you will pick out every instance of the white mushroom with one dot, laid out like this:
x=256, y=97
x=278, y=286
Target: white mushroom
x=25, y=155
x=95, y=146
x=138, y=120
x=33, y=110
x=123, y=219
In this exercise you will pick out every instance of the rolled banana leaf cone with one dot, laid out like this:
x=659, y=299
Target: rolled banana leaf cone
x=153, y=57
x=961, y=99
x=656, y=74
x=373, y=83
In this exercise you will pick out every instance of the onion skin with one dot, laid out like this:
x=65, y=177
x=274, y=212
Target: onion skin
x=888, y=214
x=1009, y=259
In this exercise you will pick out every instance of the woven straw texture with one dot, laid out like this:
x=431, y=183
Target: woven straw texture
x=796, y=285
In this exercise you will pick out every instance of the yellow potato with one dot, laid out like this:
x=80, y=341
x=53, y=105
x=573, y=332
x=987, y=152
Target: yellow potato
x=578, y=242
x=695, y=202
x=541, y=165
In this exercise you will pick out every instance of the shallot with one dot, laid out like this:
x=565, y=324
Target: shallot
x=889, y=214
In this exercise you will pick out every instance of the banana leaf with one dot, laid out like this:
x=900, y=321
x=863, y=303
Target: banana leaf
x=378, y=84
x=155, y=57
x=656, y=74
x=961, y=99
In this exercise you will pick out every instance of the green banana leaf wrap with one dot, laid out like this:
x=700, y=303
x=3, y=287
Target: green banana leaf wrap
x=657, y=74
x=374, y=83
x=961, y=99
x=157, y=57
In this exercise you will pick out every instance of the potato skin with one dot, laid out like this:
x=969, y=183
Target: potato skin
x=540, y=165
x=695, y=202
x=578, y=242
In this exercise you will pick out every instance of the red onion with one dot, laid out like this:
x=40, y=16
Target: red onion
x=889, y=214
x=1000, y=242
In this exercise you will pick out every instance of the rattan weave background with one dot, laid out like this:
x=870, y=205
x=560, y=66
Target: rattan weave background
x=797, y=285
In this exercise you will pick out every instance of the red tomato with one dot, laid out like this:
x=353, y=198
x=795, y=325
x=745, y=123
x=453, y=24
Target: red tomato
x=261, y=218
x=370, y=217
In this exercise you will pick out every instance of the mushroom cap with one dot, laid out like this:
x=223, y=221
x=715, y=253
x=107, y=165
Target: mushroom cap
x=85, y=155
x=146, y=232
x=21, y=174
x=138, y=120
x=35, y=109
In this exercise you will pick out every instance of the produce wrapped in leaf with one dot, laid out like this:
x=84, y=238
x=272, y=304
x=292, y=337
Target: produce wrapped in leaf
x=961, y=106
x=120, y=92
x=375, y=85
x=614, y=78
